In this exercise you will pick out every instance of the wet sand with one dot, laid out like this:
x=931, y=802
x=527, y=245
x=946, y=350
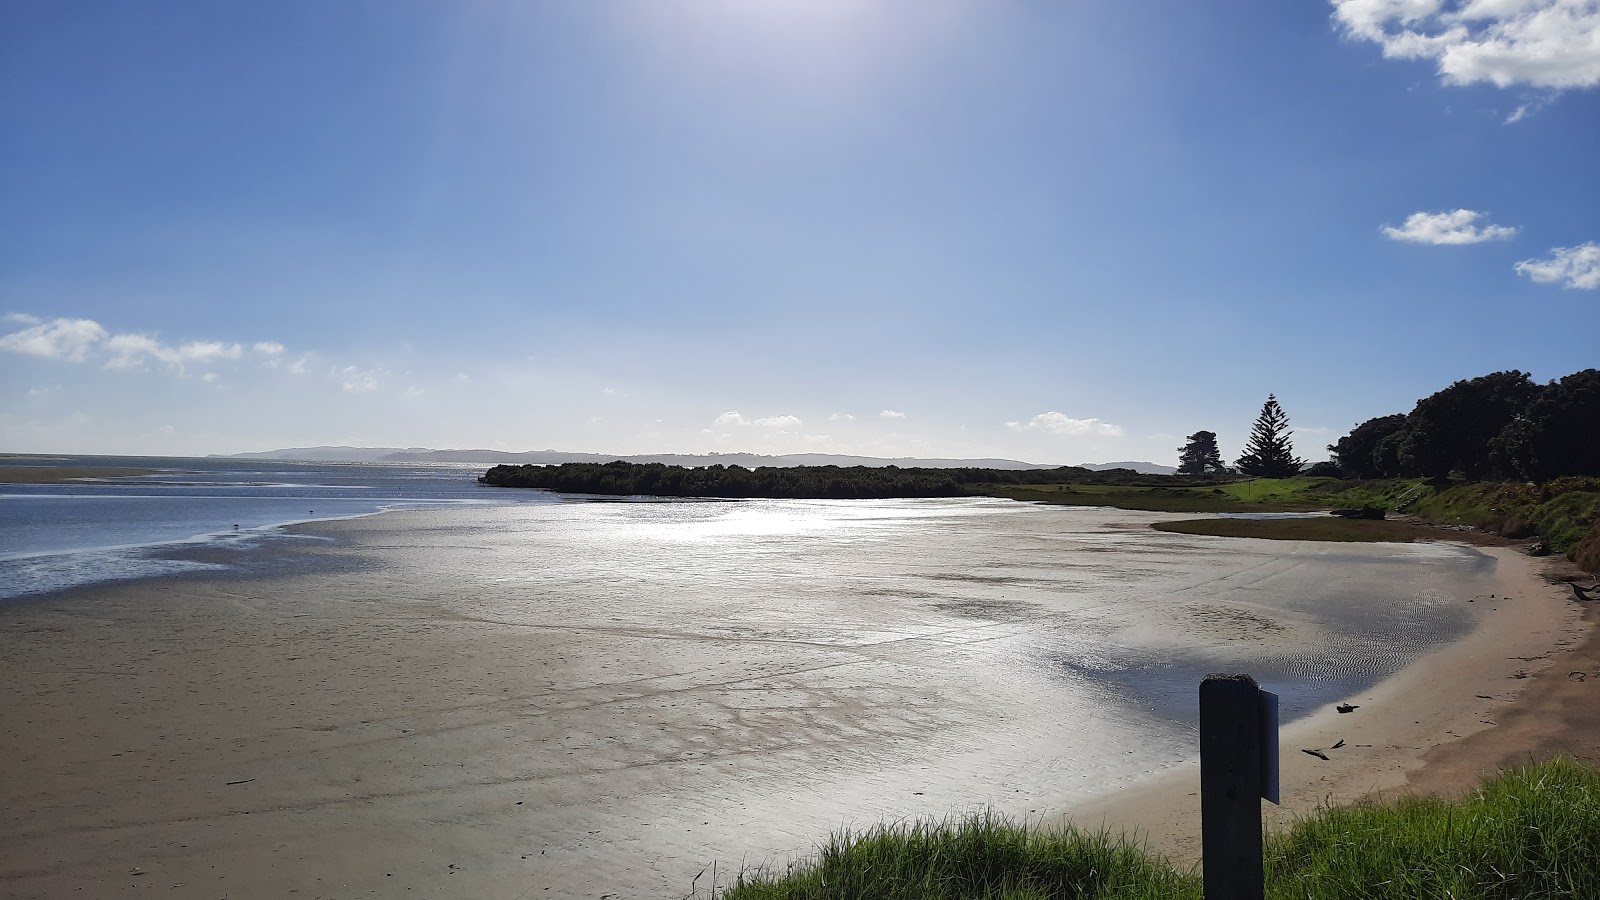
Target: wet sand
x=442, y=723
x=1500, y=696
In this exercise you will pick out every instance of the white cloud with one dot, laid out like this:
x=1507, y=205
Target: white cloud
x=1527, y=109
x=208, y=351
x=1541, y=43
x=76, y=340
x=1454, y=227
x=270, y=349
x=1060, y=423
x=129, y=351
x=841, y=417
x=891, y=414
x=732, y=417
x=356, y=381
x=69, y=339
x=1573, y=267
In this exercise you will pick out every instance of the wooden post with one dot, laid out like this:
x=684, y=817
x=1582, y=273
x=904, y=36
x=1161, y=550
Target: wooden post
x=1231, y=787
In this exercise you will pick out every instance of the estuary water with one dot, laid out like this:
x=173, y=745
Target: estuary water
x=1317, y=619
x=178, y=520
x=606, y=697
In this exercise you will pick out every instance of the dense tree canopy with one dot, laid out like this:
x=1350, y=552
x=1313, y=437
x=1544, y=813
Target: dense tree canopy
x=1357, y=452
x=1269, y=453
x=1450, y=430
x=1200, y=455
x=1500, y=425
x=1557, y=434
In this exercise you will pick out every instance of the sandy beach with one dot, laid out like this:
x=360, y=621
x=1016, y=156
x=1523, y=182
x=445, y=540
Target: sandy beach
x=377, y=725
x=1502, y=696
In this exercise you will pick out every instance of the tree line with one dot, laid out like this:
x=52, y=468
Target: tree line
x=790, y=482
x=1499, y=426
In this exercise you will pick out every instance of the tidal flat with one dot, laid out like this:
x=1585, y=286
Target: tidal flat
x=588, y=699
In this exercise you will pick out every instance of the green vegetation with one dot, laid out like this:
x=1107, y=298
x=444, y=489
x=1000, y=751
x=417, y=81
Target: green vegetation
x=794, y=482
x=1199, y=455
x=1564, y=513
x=1530, y=833
x=1500, y=425
x=1269, y=453
x=1320, y=528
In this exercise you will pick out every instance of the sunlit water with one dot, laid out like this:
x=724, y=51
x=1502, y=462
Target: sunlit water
x=57, y=536
x=728, y=680
x=798, y=665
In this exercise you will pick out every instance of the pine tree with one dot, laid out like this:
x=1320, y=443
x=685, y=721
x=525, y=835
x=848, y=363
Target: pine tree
x=1268, y=453
x=1200, y=456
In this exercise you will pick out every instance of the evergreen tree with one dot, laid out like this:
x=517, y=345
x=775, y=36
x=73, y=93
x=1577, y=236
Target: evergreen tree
x=1268, y=453
x=1200, y=456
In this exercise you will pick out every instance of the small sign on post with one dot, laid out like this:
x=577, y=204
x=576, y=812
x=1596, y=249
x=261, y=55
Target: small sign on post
x=1238, y=769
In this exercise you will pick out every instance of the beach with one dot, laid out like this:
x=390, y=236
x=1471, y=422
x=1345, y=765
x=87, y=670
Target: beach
x=422, y=705
x=1501, y=696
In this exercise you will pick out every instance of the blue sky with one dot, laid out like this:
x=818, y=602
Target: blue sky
x=1055, y=232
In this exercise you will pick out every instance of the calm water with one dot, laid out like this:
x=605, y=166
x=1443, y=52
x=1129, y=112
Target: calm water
x=636, y=689
x=1141, y=613
x=57, y=536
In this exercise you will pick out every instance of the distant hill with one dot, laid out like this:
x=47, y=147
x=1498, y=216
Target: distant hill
x=747, y=460
x=1147, y=468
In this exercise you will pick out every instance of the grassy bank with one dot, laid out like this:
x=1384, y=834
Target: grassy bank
x=1301, y=494
x=1328, y=528
x=1527, y=833
x=1564, y=513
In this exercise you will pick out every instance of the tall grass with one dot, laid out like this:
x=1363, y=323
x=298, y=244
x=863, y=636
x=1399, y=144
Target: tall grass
x=980, y=856
x=1526, y=834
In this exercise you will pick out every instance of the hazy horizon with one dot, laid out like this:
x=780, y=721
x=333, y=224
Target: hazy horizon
x=953, y=229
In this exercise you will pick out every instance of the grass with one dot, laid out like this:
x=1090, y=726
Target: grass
x=1564, y=513
x=1530, y=834
x=1327, y=528
x=980, y=856
x=1298, y=494
x=1157, y=499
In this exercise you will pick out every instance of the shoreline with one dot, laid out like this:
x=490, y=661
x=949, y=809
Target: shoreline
x=1433, y=727
x=300, y=732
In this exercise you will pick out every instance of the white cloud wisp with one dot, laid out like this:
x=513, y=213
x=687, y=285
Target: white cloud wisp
x=1572, y=267
x=1061, y=423
x=1455, y=227
x=68, y=339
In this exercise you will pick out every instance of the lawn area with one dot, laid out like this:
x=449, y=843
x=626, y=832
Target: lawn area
x=1531, y=834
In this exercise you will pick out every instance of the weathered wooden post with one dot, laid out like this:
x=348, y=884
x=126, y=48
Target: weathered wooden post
x=1238, y=768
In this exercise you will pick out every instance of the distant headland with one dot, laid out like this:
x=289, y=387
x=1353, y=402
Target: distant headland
x=690, y=460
